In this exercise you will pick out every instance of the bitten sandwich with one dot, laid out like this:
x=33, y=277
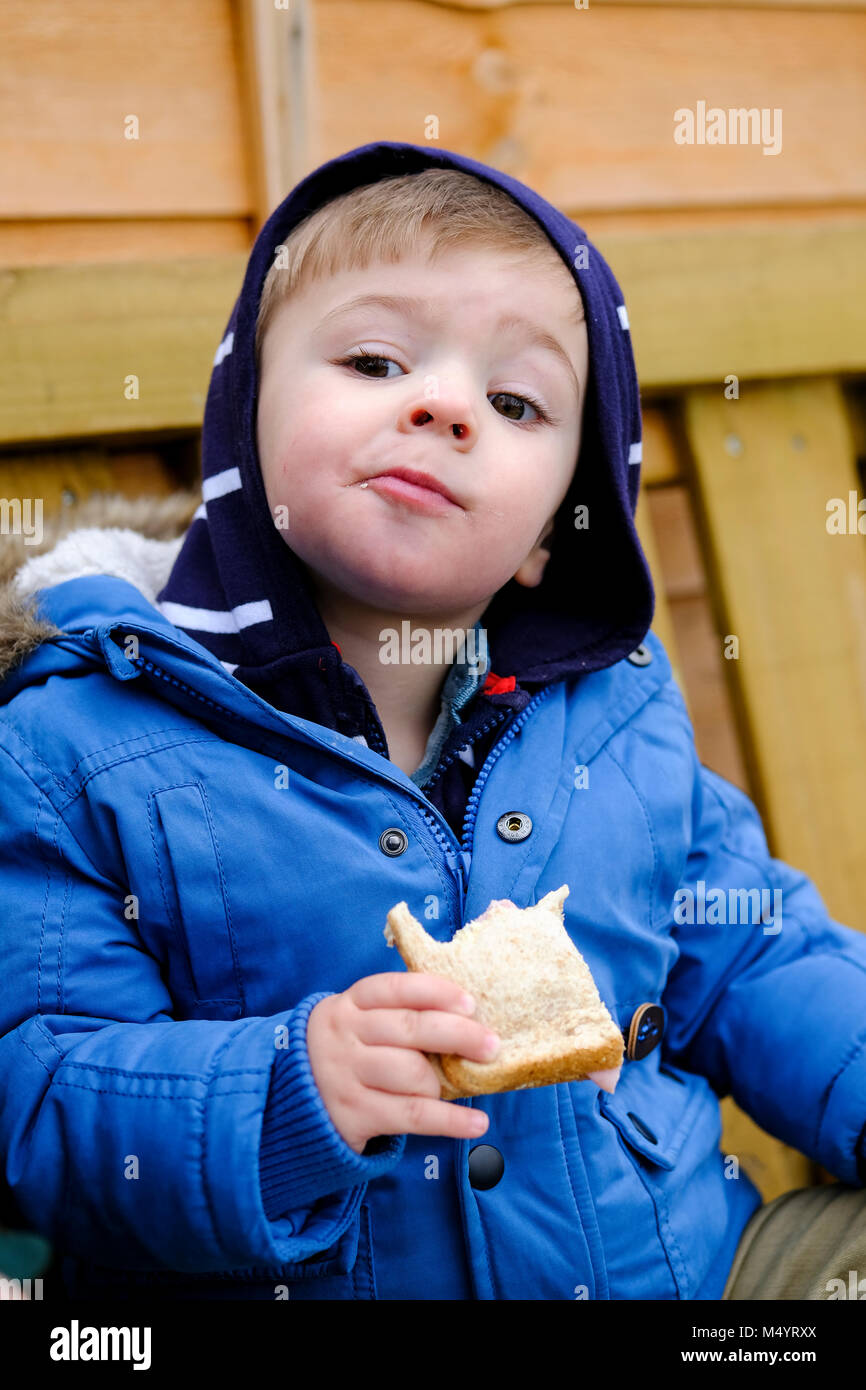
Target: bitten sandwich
x=531, y=986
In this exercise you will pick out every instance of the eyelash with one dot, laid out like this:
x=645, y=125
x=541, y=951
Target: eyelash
x=545, y=418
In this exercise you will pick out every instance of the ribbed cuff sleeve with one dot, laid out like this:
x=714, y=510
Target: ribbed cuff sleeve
x=302, y=1155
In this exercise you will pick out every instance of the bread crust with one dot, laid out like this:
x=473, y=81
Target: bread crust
x=531, y=986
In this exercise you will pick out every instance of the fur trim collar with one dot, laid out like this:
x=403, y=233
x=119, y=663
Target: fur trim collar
x=136, y=539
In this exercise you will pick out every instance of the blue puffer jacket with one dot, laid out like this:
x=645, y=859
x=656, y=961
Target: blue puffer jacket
x=187, y=868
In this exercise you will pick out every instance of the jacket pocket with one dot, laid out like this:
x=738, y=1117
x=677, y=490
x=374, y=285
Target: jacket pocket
x=344, y=1271
x=191, y=878
x=670, y=1124
x=653, y=1110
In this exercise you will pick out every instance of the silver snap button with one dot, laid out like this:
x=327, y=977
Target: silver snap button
x=392, y=841
x=641, y=656
x=514, y=825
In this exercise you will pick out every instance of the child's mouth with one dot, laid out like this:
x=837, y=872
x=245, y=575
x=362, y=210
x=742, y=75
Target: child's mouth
x=400, y=490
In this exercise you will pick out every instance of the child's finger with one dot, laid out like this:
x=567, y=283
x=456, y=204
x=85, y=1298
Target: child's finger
x=411, y=989
x=606, y=1079
x=427, y=1030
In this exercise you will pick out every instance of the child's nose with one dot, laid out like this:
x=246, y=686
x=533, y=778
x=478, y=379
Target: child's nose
x=447, y=414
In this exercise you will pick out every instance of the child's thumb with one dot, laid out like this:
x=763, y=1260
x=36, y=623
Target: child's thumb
x=606, y=1079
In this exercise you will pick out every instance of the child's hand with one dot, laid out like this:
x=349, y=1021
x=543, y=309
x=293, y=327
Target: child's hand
x=366, y=1049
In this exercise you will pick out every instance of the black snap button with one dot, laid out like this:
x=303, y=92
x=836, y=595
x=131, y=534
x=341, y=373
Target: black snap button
x=641, y=656
x=644, y=1129
x=645, y=1031
x=486, y=1166
x=392, y=841
x=514, y=825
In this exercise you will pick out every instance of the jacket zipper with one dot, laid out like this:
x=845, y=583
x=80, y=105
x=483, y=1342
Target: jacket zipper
x=462, y=859
x=496, y=751
x=468, y=832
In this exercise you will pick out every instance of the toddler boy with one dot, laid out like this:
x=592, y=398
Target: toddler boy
x=423, y=419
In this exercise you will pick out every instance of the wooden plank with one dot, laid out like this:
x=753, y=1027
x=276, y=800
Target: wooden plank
x=700, y=308
x=275, y=71
x=71, y=335
x=685, y=625
x=717, y=737
x=683, y=577
x=705, y=305
x=681, y=559
x=794, y=595
x=62, y=242
x=660, y=462
x=568, y=102
x=683, y=620
x=62, y=478
x=736, y=219
x=488, y=5
x=661, y=625
x=72, y=74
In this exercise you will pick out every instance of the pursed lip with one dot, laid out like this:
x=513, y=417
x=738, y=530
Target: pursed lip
x=410, y=475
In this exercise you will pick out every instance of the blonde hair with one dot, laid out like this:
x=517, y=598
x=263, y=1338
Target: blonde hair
x=436, y=210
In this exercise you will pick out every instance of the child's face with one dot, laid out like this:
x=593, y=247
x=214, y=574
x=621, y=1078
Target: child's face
x=443, y=405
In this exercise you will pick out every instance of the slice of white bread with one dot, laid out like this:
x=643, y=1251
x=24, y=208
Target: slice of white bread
x=531, y=986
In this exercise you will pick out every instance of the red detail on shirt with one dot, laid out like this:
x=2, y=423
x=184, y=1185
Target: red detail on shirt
x=337, y=645
x=497, y=685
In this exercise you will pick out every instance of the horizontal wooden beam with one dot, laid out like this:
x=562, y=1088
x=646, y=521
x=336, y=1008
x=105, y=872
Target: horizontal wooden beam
x=83, y=240
x=488, y=5
x=761, y=302
x=72, y=336
x=702, y=306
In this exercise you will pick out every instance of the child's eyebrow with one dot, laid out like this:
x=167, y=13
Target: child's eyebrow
x=540, y=338
x=412, y=304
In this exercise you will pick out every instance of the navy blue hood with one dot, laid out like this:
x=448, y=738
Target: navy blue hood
x=238, y=589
